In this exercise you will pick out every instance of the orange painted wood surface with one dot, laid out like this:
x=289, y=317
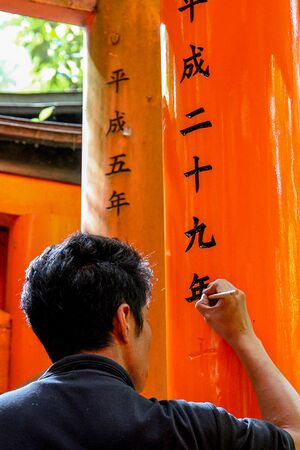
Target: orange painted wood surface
x=5, y=333
x=29, y=236
x=37, y=213
x=249, y=200
x=81, y=5
x=58, y=11
x=3, y=263
x=25, y=195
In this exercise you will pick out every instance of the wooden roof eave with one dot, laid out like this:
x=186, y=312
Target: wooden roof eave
x=77, y=12
x=81, y=5
x=47, y=133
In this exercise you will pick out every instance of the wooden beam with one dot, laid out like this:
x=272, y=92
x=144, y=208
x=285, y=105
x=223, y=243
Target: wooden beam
x=77, y=12
x=81, y=5
x=43, y=132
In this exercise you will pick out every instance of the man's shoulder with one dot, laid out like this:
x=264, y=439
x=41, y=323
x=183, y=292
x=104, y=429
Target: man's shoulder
x=18, y=396
x=184, y=407
x=195, y=415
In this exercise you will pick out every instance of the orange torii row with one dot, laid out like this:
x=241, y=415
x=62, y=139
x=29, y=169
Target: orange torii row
x=191, y=125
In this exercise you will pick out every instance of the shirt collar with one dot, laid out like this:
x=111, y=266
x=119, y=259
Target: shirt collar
x=88, y=361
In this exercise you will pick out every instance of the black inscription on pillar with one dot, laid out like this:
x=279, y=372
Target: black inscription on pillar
x=117, y=201
x=198, y=229
x=196, y=287
x=196, y=171
x=117, y=77
x=117, y=123
x=205, y=124
x=190, y=4
x=194, y=64
x=118, y=164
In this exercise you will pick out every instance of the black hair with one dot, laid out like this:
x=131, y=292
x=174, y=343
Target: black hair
x=73, y=290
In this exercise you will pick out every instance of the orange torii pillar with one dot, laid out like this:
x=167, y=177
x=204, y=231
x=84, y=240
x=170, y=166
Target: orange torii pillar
x=231, y=175
x=5, y=330
x=223, y=157
x=122, y=157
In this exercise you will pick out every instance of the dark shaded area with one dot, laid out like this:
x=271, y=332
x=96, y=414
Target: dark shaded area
x=49, y=150
x=41, y=161
x=68, y=105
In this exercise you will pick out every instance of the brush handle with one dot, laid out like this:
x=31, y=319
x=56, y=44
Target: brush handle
x=222, y=294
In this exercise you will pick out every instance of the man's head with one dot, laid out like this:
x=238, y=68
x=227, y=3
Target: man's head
x=77, y=293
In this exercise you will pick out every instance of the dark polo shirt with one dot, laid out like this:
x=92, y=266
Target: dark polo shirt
x=89, y=402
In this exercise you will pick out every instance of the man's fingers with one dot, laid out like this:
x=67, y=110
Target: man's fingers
x=219, y=285
x=204, y=304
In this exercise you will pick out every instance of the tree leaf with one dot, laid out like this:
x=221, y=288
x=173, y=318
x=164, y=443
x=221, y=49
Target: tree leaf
x=46, y=113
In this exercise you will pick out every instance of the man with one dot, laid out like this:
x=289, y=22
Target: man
x=87, y=300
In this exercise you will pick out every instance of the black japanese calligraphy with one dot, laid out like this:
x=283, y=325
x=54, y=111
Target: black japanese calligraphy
x=194, y=64
x=117, y=76
x=205, y=124
x=191, y=5
x=117, y=201
x=117, y=123
x=196, y=287
x=196, y=171
x=117, y=165
x=198, y=229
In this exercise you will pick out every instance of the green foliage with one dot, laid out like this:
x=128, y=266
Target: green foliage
x=6, y=80
x=44, y=114
x=55, y=50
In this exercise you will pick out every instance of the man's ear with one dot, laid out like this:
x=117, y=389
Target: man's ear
x=121, y=323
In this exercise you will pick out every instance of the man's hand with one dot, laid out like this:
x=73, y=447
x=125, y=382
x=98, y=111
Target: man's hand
x=229, y=316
